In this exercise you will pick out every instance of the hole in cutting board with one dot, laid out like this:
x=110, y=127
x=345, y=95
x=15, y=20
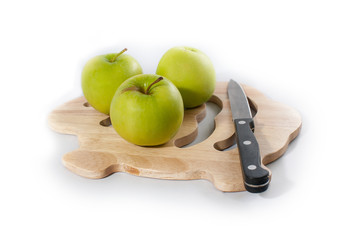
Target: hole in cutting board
x=207, y=125
x=86, y=104
x=105, y=122
x=230, y=142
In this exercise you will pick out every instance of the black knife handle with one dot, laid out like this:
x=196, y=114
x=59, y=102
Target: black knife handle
x=256, y=178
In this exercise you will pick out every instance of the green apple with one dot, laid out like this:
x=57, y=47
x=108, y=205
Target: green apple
x=191, y=71
x=102, y=75
x=147, y=110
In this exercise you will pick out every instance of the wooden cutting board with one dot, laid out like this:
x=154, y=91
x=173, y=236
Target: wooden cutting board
x=102, y=151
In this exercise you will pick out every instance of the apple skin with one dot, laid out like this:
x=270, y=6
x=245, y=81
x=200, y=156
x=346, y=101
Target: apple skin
x=101, y=78
x=191, y=71
x=147, y=119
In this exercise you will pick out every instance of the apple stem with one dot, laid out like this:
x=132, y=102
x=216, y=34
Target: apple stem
x=156, y=81
x=115, y=57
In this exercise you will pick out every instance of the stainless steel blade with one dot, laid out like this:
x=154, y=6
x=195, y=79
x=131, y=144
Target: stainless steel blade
x=238, y=100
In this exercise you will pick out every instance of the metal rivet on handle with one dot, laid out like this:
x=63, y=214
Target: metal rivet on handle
x=251, y=167
x=247, y=142
x=241, y=122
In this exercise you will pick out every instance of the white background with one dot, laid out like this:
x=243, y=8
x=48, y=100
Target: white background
x=306, y=54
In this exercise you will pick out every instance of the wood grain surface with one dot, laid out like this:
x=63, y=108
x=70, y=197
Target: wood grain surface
x=103, y=152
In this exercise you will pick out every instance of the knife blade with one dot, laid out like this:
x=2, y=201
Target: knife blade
x=256, y=179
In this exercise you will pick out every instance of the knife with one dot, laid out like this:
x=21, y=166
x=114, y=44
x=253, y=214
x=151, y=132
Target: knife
x=256, y=179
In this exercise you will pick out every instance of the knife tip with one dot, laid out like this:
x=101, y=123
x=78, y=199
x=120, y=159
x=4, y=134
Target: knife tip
x=231, y=83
